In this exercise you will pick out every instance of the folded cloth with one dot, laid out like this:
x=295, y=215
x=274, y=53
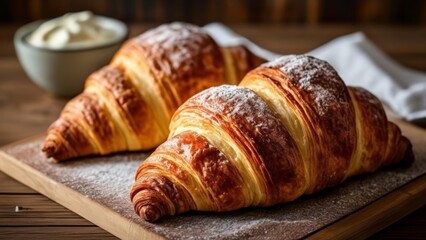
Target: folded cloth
x=360, y=63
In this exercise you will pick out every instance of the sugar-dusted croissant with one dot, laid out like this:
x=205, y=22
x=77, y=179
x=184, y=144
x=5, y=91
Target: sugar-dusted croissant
x=128, y=104
x=292, y=127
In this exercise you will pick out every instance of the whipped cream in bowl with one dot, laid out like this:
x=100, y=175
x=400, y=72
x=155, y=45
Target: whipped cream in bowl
x=76, y=31
x=59, y=54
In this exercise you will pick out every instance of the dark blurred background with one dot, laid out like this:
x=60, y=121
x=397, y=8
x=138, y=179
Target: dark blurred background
x=400, y=12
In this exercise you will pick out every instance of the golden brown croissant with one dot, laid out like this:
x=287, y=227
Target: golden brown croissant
x=292, y=127
x=128, y=104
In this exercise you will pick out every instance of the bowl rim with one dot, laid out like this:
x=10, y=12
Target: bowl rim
x=25, y=30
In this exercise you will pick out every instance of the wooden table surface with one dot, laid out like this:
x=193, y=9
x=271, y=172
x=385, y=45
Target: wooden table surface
x=26, y=110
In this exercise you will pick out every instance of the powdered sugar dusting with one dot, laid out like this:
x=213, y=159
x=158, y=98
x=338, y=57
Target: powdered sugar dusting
x=315, y=77
x=107, y=180
x=240, y=103
x=178, y=49
x=243, y=100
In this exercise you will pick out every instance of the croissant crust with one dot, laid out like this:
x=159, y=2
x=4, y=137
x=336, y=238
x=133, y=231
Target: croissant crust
x=292, y=127
x=127, y=105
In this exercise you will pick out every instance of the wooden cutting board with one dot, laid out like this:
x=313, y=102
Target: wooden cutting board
x=97, y=188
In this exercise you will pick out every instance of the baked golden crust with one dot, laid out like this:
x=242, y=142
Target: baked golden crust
x=318, y=98
x=237, y=60
x=181, y=58
x=247, y=124
x=138, y=92
x=292, y=127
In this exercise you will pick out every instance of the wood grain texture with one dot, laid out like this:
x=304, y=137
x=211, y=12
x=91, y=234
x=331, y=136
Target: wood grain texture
x=54, y=232
x=273, y=11
x=378, y=215
x=13, y=187
x=24, y=210
x=76, y=201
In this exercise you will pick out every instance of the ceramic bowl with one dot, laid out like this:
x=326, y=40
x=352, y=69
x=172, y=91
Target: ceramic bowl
x=63, y=72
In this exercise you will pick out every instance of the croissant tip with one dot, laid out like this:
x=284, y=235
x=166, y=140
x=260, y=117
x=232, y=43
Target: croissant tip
x=408, y=158
x=49, y=150
x=150, y=213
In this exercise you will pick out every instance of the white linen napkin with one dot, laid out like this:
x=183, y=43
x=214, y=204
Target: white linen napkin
x=360, y=63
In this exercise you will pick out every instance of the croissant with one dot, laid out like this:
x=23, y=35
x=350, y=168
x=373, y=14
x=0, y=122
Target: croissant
x=291, y=127
x=127, y=105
